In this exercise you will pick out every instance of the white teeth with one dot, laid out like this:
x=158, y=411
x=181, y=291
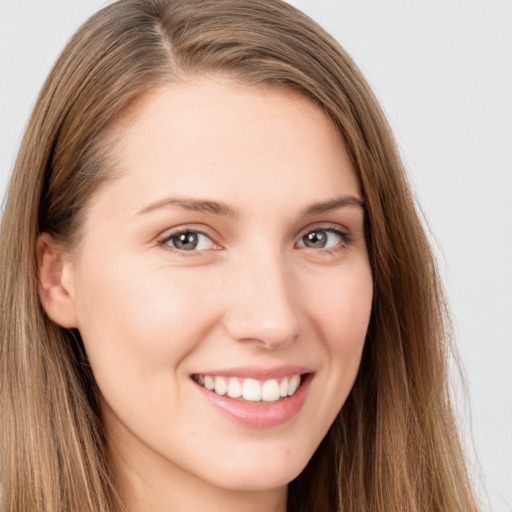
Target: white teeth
x=293, y=384
x=234, y=388
x=251, y=390
x=270, y=391
x=221, y=386
x=283, y=388
x=209, y=383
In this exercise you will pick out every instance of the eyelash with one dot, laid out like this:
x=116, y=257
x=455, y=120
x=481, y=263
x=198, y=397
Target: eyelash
x=345, y=236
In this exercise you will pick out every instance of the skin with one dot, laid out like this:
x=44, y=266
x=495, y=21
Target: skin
x=252, y=294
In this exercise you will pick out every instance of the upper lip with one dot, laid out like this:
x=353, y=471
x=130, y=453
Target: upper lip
x=258, y=372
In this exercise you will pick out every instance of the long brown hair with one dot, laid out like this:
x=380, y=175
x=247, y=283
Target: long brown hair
x=394, y=445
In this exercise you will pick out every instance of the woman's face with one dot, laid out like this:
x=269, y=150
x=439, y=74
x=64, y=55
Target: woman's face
x=230, y=253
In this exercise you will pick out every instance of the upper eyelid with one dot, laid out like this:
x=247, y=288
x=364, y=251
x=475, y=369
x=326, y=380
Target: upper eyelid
x=203, y=230
x=327, y=226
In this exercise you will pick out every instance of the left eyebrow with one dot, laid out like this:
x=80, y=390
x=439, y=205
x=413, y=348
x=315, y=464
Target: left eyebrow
x=333, y=204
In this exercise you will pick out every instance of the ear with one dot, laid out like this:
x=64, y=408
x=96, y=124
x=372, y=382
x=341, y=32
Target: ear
x=55, y=282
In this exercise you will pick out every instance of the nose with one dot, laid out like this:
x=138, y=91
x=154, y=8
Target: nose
x=263, y=307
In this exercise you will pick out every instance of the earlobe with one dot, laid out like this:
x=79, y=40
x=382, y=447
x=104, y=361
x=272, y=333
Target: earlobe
x=55, y=283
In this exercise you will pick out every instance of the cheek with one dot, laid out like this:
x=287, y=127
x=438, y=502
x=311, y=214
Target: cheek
x=342, y=306
x=135, y=323
x=341, y=312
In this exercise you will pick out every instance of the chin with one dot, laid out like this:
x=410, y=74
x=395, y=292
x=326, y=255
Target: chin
x=260, y=475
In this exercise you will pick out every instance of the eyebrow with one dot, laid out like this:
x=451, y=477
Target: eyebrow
x=197, y=205
x=333, y=204
x=219, y=208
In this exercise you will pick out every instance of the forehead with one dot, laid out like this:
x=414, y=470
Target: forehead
x=220, y=138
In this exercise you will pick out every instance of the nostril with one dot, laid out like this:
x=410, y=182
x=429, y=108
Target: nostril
x=259, y=327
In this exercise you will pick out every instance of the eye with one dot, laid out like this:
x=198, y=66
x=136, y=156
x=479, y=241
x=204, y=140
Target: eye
x=189, y=241
x=323, y=238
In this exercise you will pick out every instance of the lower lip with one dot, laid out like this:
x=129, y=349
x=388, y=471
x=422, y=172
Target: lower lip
x=259, y=414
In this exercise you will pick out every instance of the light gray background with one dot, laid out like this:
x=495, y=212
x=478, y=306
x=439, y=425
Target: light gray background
x=443, y=72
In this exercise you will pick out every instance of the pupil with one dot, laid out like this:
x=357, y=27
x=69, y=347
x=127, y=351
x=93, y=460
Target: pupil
x=186, y=241
x=315, y=239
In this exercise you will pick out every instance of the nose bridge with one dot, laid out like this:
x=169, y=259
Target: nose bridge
x=262, y=306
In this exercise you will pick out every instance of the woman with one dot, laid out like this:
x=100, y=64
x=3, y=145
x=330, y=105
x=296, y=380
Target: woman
x=216, y=289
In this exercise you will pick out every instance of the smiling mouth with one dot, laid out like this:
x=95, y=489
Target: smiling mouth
x=251, y=390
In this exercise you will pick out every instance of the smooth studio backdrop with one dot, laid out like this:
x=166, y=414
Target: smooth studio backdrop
x=443, y=73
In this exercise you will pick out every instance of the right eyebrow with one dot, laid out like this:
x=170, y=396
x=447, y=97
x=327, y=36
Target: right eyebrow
x=197, y=205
